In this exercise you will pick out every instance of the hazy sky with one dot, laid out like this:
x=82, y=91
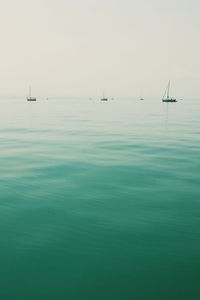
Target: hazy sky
x=80, y=47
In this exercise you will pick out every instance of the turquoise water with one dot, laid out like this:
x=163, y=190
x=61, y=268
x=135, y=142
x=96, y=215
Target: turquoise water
x=99, y=200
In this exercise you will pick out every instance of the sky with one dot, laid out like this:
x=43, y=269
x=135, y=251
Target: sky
x=81, y=47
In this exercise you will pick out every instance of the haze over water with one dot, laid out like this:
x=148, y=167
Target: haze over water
x=99, y=200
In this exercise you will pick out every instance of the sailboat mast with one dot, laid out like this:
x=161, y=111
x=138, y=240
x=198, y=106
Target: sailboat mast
x=29, y=91
x=168, y=89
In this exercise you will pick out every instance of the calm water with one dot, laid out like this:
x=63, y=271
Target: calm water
x=99, y=200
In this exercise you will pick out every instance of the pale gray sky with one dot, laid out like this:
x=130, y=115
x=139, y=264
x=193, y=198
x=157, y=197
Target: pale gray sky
x=80, y=47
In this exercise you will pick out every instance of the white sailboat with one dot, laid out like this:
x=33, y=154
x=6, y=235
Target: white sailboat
x=104, y=98
x=140, y=95
x=168, y=98
x=30, y=98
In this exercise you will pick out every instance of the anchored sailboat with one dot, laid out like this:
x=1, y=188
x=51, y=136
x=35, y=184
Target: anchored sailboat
x=104, y=98
x=29, y=98
x=168, y=98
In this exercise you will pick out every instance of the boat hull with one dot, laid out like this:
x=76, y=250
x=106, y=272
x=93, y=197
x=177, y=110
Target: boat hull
x=31, y=99
x=169, y=100
x=104, y=99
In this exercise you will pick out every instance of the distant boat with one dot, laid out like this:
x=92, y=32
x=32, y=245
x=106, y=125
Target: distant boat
x=141, y=98
x=30, y=98
x=104, y=98
x=168, y=98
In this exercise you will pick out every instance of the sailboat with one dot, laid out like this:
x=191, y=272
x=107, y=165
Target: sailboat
x=168, y=98
x=30, y=98
x=104, y=98
x=141, y=98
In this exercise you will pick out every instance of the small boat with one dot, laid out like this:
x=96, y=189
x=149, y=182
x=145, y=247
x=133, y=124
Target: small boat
x=168, y=98
x=30, y=98
x=141, y=99
x=104, y=98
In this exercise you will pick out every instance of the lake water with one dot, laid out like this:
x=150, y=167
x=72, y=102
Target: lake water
x=99, y=200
